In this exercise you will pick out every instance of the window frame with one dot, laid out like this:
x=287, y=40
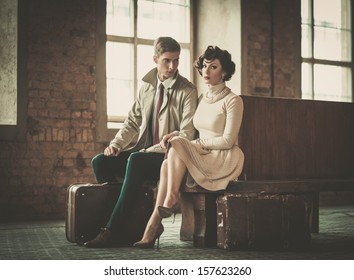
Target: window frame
x=103, y=133
x=311, y=61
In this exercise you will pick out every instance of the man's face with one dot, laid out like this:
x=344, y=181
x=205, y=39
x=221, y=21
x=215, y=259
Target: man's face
x=167, y=64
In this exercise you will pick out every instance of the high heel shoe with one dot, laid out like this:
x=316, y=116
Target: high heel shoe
x=166, y=212
x=150, y=244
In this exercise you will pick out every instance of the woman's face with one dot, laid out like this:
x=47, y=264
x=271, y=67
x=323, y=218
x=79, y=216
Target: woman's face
x=212, y=72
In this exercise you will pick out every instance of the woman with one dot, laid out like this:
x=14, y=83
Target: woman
x=212, y=160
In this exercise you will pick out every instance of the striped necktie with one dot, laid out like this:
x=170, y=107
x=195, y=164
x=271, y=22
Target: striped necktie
x=157, y=111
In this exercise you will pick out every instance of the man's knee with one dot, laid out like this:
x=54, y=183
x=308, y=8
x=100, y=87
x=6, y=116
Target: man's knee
x=135, y=158
x=97, y=160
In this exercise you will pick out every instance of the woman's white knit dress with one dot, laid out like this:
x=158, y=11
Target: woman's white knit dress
x=217, y=158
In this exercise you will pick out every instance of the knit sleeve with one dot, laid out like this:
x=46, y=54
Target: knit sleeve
x=233, y=110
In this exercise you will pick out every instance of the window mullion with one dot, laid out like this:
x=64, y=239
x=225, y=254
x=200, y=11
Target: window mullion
x=352, y=48
x=135, y=48
x=312, y=19
x=327, y=62
x=120, y=39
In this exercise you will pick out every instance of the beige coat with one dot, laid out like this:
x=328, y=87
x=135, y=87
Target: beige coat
x=176, y=113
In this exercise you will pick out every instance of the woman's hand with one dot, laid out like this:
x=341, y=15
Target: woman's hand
x=167, y=138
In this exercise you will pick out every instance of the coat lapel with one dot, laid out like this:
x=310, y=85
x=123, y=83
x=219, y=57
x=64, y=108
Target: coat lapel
x=148, y=103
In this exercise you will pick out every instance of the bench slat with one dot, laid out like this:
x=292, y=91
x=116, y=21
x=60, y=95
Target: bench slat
x=282, y=186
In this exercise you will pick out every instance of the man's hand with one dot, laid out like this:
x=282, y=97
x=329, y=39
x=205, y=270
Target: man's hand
x=111, y=151
x=166, y=138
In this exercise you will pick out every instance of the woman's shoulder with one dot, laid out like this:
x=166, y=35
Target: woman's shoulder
x=233, y=97
x=233, y=102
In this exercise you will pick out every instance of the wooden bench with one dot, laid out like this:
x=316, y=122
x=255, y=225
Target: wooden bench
x=291, y=147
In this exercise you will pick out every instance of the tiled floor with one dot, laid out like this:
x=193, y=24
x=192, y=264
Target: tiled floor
x=47, y=241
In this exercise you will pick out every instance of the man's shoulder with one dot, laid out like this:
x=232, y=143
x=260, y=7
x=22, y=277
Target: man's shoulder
x=150, y=77
x=184, y=83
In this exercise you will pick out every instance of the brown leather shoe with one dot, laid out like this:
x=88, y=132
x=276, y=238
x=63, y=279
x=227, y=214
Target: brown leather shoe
x=102, y=240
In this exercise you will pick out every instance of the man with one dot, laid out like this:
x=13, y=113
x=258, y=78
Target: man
x=165, y=104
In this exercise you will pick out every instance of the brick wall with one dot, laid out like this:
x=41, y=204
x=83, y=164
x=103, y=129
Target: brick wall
x=272, y=48
x=257, y=47
x=61, y=88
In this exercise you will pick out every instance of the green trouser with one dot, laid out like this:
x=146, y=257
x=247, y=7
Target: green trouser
x=109, y=169
x=140, y=166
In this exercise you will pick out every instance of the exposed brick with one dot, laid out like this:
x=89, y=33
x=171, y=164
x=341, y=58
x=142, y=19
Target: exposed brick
x=79, y=146
x=56, y=105
x=68, y=162
x=66, y=114
x=87, y=114
x=60, y=135
x=84, y=135
x=54, y=134
x=76, y=114
x=89, y=147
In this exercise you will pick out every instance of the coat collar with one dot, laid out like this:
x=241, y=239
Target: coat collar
x=151, y=78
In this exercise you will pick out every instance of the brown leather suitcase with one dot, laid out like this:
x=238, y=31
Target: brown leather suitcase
x=265, y=222
x=89, y=207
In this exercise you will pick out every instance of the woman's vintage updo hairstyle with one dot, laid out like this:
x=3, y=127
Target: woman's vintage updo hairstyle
x=211, y=53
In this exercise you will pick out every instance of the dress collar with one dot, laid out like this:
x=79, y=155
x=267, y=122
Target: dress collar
x=213, y=90
x=215, y=93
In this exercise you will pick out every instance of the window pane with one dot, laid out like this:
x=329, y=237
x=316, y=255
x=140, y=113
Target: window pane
x=145, y=61
x=184, y=63
x=306, y=86
x=120, y=86
x=8, y=58
x=119, y=19
x=332, y=44
x=332, y=38
x=330, y=13
x=164, y=18
x=305, y=12
x=332, y=83
x=306, y=42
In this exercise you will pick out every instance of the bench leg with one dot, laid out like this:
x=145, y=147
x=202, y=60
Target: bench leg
x=205, y=220
x=187, y=210
x=315, y=215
